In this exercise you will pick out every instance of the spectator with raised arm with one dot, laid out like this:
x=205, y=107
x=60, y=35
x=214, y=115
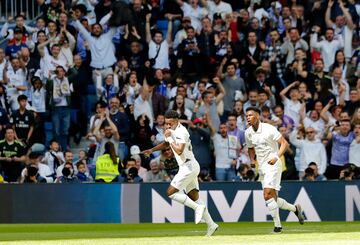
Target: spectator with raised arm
x=101, y=46
x=158, y=47
x=58, y=91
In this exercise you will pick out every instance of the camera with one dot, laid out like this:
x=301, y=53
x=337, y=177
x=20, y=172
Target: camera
x=66, y=172
x=152, y=62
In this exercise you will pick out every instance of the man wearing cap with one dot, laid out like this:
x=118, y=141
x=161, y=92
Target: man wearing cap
x=181, y=34
x=263, y=142
x=22, y=121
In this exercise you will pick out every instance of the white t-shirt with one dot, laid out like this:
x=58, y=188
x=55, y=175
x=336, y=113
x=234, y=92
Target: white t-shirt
x=354, y=153
x=292, y=109
x=50, y=63
x=2, y=66
x=49, y=159
x=264, y=141
x=162, y=60
x=16, y=78
x=221, y=147
x=38, y=99
x=195, y=15
x=222, y=8
x=318, y=125
x=44, y=171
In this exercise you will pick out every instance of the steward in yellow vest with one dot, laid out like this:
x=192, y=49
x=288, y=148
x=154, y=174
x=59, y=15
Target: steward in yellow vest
x=105, y=168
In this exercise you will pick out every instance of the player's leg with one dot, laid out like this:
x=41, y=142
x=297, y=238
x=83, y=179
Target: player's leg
x=177, y=185
x=194, y=195
x=270, y=200
x=271, y=184
x=283, y=204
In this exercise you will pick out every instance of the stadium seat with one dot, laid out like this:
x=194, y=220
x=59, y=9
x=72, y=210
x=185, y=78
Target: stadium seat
x=162, y=25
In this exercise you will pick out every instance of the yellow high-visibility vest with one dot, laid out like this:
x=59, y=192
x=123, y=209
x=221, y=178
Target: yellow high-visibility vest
x=105, y=169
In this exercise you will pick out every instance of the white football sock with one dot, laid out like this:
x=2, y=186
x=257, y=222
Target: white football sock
x=206, y=216
x=283, y=204
x=184, y=199
x=274, y=211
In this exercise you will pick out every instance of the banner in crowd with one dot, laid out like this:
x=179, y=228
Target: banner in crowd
x=135, y=203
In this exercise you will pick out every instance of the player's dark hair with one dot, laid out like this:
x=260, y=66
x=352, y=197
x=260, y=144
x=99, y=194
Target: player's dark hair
x=171, y=114
x=252, y=108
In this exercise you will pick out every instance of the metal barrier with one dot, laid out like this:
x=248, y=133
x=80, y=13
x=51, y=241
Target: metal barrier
x=8, y=8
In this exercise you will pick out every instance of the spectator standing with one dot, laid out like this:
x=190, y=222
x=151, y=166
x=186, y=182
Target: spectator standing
x=354, y=152
x=341, y=141
x=327, y=47
x=226, y=149
x=311, y=150
x=58, y=91
x=122, y=123
x=158, y=47
x=101, y=46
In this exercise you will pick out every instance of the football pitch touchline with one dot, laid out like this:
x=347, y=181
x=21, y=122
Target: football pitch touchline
x=305, y=238
x=179, y=233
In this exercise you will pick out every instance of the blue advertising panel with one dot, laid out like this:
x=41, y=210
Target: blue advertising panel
x=233, y=202
x=62, y=203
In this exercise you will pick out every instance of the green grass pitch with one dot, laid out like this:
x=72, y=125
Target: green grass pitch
x=188, y=233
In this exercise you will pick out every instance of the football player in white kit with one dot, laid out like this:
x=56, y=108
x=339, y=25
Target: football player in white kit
x=263, y=142
x=178, y=138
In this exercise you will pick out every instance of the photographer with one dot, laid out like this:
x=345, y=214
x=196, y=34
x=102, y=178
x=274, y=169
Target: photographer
x=67, y=174
x=32, y=175
x=36, y=172
x=245, y=173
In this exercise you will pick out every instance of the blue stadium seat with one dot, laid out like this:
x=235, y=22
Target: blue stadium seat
x=162, y=25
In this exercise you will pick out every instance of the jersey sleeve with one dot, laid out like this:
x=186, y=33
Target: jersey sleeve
x=181, y=137
x=275, y=134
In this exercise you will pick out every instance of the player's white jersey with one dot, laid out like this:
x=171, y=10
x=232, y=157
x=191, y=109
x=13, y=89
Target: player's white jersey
x=181, y=136
x=264, y=140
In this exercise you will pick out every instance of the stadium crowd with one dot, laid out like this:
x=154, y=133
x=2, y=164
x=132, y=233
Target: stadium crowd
x=132, y=60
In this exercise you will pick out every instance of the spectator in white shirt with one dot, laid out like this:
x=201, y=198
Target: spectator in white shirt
x=15, y=80
x=43, y=169
x=354, y=152
x=194, y=11
x=217, y=6
x=293, y=43
x=292, y=106
x=49, y=62
x=327, y=47
x=311, y=150
x=340, y=87
x=101, y=46
x=158, y=47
